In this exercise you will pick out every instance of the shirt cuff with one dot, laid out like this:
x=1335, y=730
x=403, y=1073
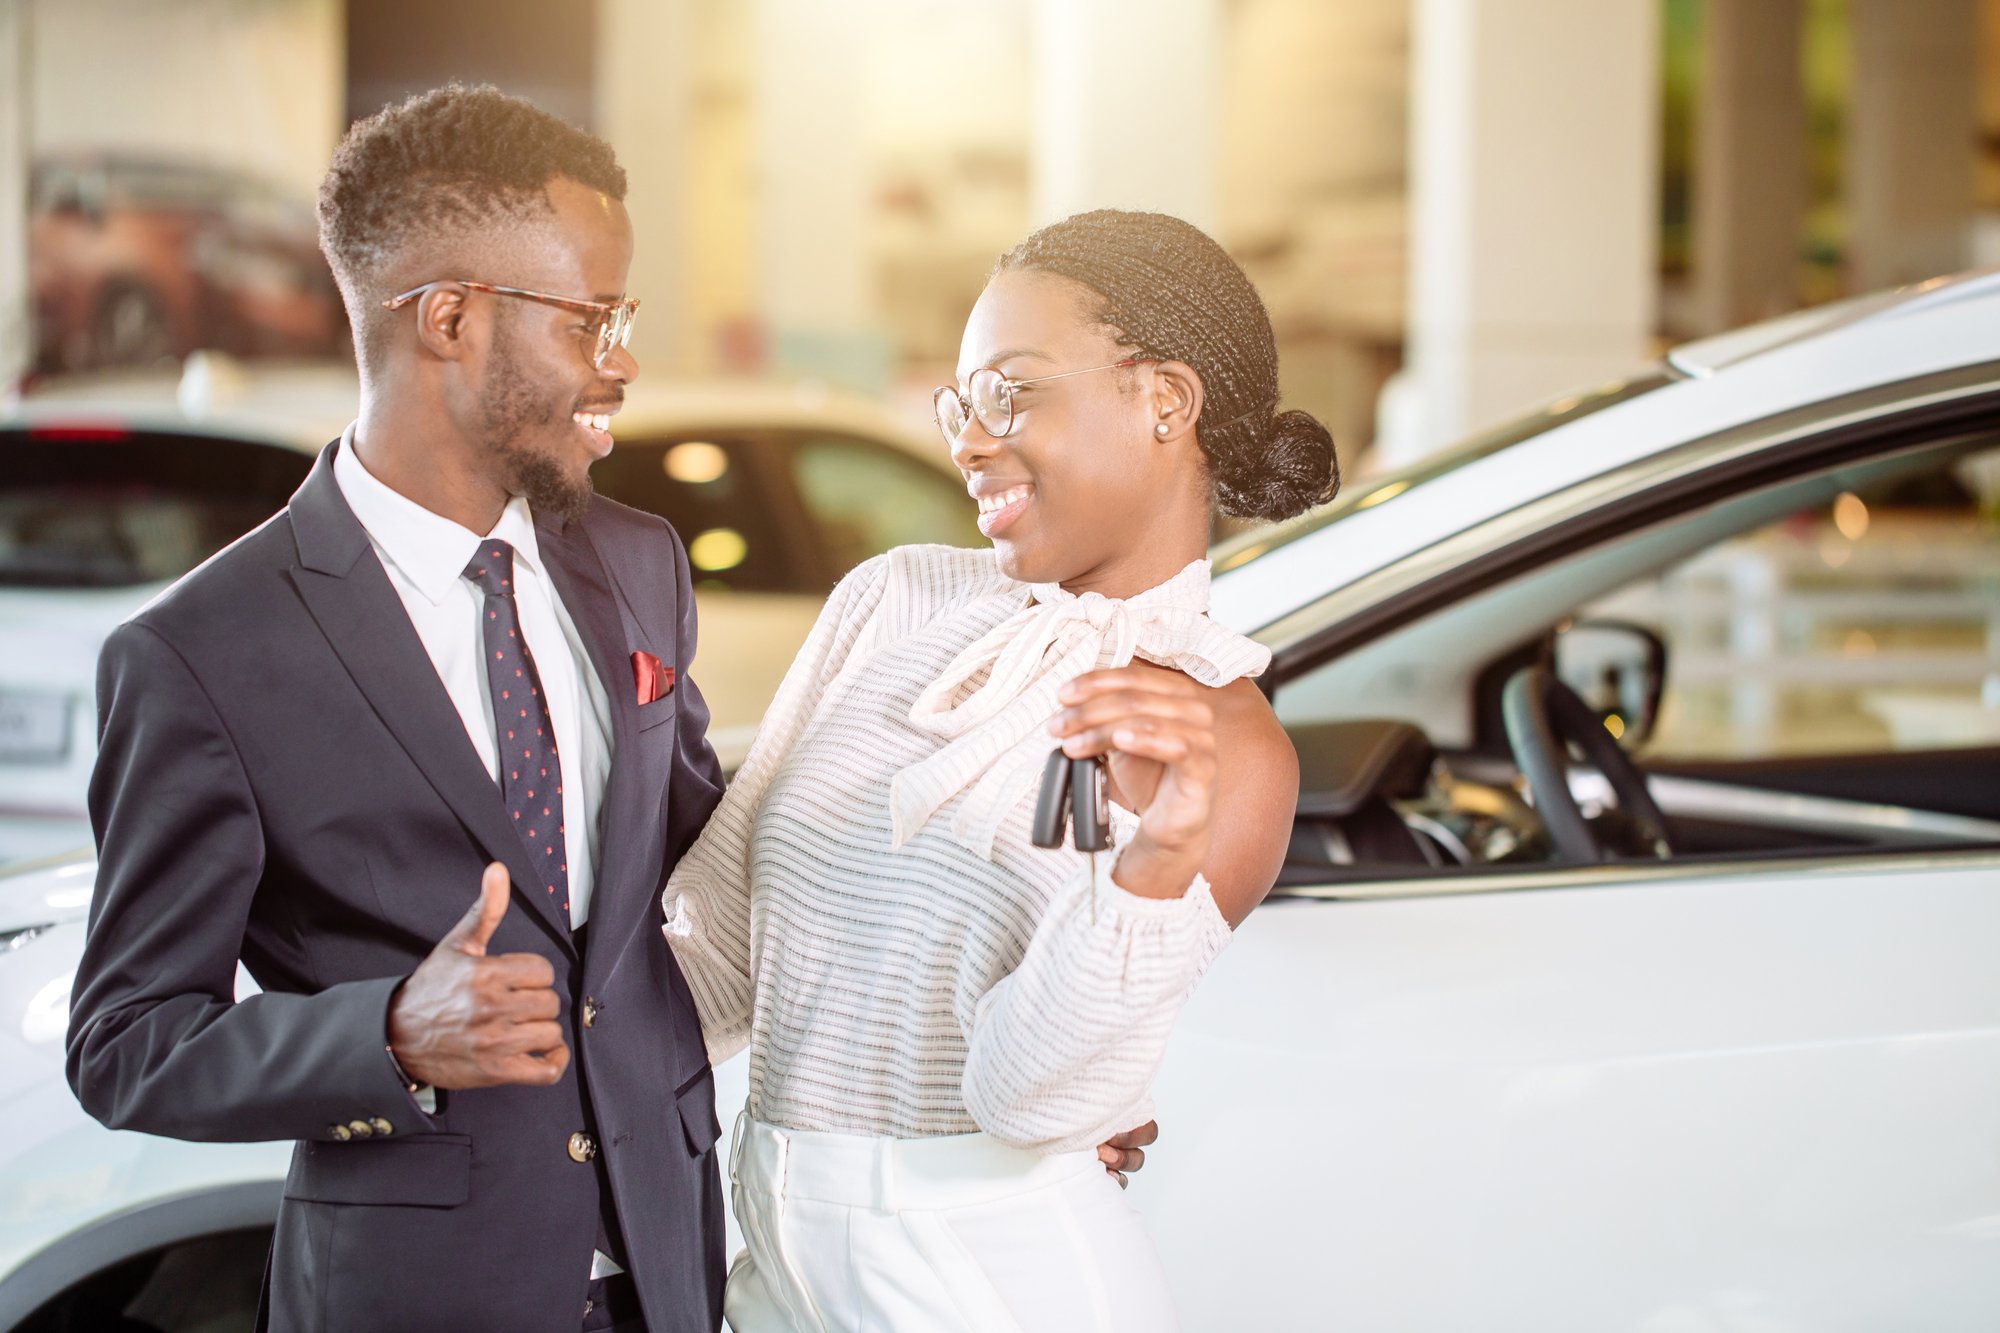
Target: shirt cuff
x=423, y=1095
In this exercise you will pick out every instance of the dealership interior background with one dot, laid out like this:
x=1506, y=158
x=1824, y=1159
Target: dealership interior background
x=1456, y=210
x=1632, y=324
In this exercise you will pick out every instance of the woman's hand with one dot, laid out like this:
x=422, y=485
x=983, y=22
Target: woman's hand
x=1157, y=729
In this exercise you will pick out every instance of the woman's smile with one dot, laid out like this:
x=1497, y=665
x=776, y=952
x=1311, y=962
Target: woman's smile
x=998, y=509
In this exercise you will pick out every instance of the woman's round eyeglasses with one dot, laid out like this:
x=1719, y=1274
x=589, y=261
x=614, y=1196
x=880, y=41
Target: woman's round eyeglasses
x=989, y=398
x=611, y=328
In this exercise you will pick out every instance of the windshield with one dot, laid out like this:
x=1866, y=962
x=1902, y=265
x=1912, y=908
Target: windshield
x=1245, y=547
x=109, y=508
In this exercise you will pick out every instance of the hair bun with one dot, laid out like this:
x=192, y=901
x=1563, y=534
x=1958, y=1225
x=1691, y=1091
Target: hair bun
x=1290, y=468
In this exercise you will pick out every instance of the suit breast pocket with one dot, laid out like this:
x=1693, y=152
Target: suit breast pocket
x=660, y=710
x=422, y=1171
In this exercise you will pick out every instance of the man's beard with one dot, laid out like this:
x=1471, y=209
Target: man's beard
x=513, y=412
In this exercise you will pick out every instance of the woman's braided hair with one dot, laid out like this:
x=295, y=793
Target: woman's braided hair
x=1168, y=291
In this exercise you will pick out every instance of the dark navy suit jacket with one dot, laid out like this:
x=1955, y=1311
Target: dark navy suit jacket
x=283, y=778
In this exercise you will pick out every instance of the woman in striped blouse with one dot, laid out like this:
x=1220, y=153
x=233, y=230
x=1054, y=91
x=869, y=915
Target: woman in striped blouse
x=943, y=1017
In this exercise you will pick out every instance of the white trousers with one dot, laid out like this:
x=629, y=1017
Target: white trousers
x=851, y=1233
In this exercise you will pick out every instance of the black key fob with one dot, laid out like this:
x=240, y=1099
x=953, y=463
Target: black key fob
x=1090, y=806
x=1073, y=799
x=1052, y=806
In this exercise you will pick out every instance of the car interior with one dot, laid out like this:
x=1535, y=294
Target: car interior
x=1653, y=697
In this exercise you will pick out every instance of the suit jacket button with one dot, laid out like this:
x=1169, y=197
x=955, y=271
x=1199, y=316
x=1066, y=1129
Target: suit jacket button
x=581, y=1147
x=590, y=1011
x=382, y=1127
x=361, y=1129
x=340, y=1133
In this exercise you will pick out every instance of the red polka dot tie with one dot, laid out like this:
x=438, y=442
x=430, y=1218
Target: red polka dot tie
x=530, y=770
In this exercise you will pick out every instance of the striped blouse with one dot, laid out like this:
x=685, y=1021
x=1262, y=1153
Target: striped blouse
x=865, y=907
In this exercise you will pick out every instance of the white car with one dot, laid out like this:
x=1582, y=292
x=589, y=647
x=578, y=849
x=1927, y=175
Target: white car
x=113, y=486
x=1500, y=1054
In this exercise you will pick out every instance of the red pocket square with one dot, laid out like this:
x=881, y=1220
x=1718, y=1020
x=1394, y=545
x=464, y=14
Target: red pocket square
x=654, y=679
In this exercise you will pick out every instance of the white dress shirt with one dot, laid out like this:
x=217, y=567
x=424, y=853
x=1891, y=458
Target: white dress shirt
x=425, y=555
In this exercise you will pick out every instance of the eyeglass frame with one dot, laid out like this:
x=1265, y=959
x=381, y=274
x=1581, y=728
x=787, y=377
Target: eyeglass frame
x=1007, y=384
x=618, y=316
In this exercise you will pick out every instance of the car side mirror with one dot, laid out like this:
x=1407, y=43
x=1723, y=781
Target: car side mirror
x=1619, y=669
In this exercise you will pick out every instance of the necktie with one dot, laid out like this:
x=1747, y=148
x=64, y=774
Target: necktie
x=530, y=769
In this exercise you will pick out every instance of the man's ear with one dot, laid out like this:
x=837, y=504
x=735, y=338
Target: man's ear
x=442, y=323
x=1175, y=400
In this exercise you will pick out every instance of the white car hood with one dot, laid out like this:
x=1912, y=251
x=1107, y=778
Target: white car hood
x=46, y=893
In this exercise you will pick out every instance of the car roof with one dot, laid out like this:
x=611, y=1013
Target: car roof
x=305, y=404
x=1706, y=356
x=302, y=405
x=1701, y=390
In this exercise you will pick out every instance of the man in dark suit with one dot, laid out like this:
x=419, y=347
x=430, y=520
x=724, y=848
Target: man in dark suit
x=415, y=751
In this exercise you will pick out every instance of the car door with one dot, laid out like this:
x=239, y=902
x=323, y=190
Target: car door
x=1739, y=1090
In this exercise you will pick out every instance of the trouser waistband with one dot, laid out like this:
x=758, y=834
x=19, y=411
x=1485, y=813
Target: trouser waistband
x=889, y=1175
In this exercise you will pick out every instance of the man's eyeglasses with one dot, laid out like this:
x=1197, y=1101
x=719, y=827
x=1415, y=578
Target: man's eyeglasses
x=613, y=327
x=989, y=397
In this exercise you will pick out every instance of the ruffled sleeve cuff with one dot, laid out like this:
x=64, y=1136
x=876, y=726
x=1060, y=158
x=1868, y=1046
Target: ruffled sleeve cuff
x=1065, y=1048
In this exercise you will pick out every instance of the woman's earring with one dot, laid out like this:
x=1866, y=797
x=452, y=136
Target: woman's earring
x=1161, y=430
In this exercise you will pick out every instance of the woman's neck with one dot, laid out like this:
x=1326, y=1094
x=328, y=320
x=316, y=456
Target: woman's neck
x=1131, y=572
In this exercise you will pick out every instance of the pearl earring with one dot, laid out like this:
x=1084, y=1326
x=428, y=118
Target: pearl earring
x=1161, y=430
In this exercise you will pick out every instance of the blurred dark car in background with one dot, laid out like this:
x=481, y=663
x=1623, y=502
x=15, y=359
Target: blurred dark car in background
x=135, y=259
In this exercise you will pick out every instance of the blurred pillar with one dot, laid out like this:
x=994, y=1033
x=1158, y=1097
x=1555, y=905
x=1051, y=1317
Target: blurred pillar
x=1750, y=181
x=1913, y=138
x=1125, y=111
x=815, y=268
x=16, y=327
x=1534, y=209
x=644, y=63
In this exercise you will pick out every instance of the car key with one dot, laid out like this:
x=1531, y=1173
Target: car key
x=1052, y=806
x=1073, y=800
x=1090, y=806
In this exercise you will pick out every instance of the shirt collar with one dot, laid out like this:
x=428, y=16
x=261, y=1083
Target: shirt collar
x=430, y=550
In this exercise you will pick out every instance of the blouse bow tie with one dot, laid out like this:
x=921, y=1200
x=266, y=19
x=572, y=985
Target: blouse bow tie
x=994, y=701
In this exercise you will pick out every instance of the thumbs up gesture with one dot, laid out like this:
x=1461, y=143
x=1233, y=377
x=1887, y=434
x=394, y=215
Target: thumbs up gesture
x=467, y=1020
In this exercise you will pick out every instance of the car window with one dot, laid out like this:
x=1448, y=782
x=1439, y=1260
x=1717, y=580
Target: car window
x=865, y=497
x=1867, y=625
x=163, y=185
x=713, y=491
x=1661, y=576
x=56, y=187
x=106, y=508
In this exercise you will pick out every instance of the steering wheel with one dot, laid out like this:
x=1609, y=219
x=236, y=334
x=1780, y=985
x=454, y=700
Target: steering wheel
x=1543, y=718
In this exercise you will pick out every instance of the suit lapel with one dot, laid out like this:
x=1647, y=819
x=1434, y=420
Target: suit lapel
x=632, y=793
x=363, y=619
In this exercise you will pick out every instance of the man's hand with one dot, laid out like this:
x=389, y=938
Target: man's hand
x=1123, y=1153
x=463, y=1020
